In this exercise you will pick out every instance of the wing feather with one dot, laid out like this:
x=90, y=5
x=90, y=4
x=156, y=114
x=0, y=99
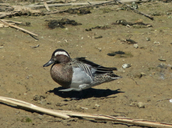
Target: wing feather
x=98, y=68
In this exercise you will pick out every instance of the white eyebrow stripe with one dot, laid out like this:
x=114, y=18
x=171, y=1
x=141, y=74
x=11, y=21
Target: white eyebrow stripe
x=61, y=53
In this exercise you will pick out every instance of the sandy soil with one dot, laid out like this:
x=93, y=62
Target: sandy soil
x=142, y=93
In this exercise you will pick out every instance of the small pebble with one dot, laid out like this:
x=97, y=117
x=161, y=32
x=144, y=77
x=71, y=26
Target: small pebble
x=133, y=104
x=84, y=108
x=142, y=74
x=162, y=59
x=97, y=105
x=97, y=37
x=170, y=100
x=147, y=38
x=67, y=99
x=155, y=42
x=135, y=45
x=141, y=105
x=35, y=46
x=126, y=66
x=100, y=49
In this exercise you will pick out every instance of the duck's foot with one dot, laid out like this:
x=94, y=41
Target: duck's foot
x=70, y=89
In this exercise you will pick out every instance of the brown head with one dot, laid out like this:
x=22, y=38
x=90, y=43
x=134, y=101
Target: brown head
x=58, y=56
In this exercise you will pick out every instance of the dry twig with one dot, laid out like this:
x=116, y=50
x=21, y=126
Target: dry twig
x=19, y=28
x=8, y=14
x=68, y=114
x=71, y=4
x=136, y=11
x=12, y=21
x=46, y=6
x=20, y=10
x=27, y=105
x=92, y=5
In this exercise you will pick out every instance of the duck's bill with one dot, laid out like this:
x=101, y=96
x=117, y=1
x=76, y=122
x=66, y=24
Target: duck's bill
x=48, y=63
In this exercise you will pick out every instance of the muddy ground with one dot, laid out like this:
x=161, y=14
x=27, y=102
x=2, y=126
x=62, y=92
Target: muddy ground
x=142, y=93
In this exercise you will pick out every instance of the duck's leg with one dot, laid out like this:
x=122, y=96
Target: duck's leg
x=84, y=86
x=70, y=89
x=80, y=88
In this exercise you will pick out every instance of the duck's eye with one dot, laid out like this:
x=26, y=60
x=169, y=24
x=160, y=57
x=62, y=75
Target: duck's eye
x=61, y=53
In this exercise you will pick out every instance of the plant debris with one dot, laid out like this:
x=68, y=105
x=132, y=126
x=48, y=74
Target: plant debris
x=104, y=27
x=120, y=54
x=129, y=41
x=114, y=53
x=136, y=24
x=80, y=11
x=157, y=14
x=5, y=8
x=97, y=37
x=19, y=11
x=107, y=10
x=69, y=114
x=160, y=59
x=19, y=28
x=60, y=23
x=135, y=10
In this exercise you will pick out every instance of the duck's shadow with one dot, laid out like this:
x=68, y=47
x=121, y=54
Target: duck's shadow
x=88, y=93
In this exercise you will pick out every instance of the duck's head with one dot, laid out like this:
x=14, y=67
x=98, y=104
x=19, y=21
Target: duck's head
x=58, y=56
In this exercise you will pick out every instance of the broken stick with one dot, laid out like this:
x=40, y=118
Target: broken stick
x=136, y=11
x=67, y=114
x=30, y=106
x=46, y=6
x=87, y=6
x=21, y=29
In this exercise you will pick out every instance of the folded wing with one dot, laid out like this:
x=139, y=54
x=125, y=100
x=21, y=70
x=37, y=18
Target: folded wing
x=91, y=67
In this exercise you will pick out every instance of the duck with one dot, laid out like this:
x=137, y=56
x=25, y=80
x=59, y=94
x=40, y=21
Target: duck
x=79, y=73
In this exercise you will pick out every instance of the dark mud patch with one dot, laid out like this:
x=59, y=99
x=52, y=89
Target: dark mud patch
x=61, y=23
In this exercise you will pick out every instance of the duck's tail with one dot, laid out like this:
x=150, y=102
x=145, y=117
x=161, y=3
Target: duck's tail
x=115, y=77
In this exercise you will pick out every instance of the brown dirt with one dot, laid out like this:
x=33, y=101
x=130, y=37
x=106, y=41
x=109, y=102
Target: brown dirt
x=147, y=81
